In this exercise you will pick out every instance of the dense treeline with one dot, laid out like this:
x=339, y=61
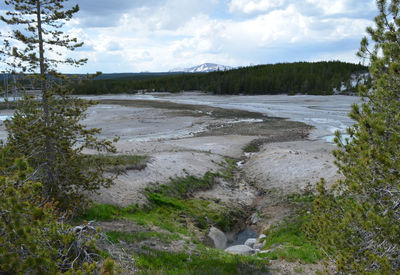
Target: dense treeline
x=300, y=77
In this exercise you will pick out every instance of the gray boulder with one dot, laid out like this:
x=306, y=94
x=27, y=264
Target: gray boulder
x=250, y=242
x=218, y=237
x=240, y=250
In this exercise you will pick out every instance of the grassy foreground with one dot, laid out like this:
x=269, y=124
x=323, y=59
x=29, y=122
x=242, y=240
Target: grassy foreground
x=173, y=218
x=168, y=235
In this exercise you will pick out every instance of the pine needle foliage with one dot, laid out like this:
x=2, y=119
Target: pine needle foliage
x=46, y=130
x=34, y=238
x=358, y=220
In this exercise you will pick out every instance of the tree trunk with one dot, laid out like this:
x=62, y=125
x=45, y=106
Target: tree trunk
x=45, y=100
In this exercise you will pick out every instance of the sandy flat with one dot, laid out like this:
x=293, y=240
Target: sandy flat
x=228, y=145
x=290, y=166
x=180, y=142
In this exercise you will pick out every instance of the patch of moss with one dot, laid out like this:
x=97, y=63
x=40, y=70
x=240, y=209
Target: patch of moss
x=288, y=241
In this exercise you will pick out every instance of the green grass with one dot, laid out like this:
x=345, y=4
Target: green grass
x=254, y=146
x=168, y=213
x=291, y=243
x=106, y=212
x=164, y=217
x=183, y=187
x=176, y=214
x=172, y=210
x=171, y=207
x=228, y=167
x=118, y=163
x=173, y=215
x=172, y=202
x=203, y=261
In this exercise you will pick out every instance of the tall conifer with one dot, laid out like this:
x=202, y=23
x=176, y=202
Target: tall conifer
x=48, y=131
x=358, y=221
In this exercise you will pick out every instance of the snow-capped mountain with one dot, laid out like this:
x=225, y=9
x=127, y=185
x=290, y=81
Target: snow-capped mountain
x=203, y=68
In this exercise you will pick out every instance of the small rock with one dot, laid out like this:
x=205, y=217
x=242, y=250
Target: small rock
x=255, y=218
x=250, y=242
x=240, y=163
x=262, y=236
x=218, y=237
x=264, y=251
x=240, y=250
x=83, y=228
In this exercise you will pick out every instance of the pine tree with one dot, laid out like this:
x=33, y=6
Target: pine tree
x=358, y=221
x=34, y=237
x=46, y=130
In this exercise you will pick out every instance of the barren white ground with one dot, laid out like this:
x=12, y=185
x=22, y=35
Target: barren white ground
x=168, y=138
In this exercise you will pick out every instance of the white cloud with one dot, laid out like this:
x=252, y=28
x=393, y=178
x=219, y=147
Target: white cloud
x=330, y=7
x=251, y=6
x=343, y=7
x=158, y=35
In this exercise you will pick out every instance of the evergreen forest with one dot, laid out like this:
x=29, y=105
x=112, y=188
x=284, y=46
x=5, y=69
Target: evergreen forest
x=319, y=78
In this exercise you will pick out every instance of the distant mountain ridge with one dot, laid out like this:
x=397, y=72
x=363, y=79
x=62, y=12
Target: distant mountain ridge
x=203, y=68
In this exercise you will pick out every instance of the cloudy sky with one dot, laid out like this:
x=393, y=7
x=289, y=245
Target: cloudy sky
x=158, y=35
